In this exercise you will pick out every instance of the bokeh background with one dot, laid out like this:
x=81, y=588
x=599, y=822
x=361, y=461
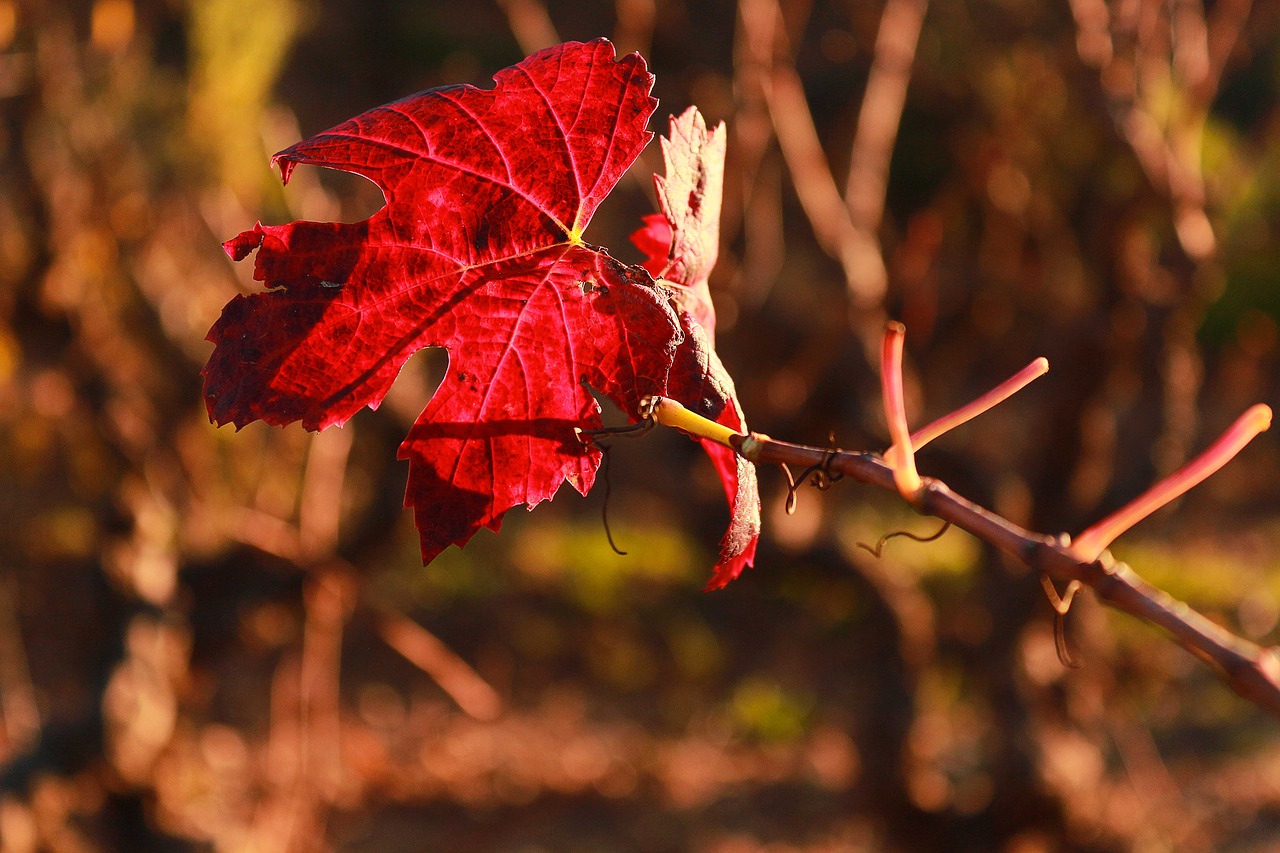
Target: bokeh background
x=222, y=641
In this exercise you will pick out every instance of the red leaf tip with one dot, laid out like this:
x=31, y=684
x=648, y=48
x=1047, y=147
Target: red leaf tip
x=286, y=168
x=654, y=239
x=240, y=246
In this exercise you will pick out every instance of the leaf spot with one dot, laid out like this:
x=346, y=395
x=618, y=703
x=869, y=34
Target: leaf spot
x=481, y=241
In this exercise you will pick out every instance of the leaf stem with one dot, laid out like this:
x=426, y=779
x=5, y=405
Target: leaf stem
x=668, y=412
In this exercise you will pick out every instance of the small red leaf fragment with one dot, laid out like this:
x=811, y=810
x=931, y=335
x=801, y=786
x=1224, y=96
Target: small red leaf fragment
x=654, y=239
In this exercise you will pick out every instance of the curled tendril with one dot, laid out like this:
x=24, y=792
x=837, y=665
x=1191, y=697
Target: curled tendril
x=604, y=508
x=820, y=472
x=1061, y=605
x=915, y=537
x=591, y=438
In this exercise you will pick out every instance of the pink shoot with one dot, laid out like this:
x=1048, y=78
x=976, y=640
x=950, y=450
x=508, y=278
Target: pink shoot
x=989, y=400
x=1090, y=544
x=900, y=455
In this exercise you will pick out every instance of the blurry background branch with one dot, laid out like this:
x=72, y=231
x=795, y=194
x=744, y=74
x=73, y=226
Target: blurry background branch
x=846, y=225
x=1160, y=66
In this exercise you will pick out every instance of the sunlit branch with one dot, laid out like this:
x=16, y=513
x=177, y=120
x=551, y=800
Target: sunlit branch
x=1250, y=670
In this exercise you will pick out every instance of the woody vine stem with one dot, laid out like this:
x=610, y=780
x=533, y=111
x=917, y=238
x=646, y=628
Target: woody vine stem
x=1250, y=670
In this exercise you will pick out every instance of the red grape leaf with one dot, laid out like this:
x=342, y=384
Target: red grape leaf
x=682, y=244
x=683, y=241
x=478, y=249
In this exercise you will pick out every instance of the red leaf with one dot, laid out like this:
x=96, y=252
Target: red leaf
x=682, y=244
x=478, y=249
x=683, y=241
x=654, y=239
x=738, y=476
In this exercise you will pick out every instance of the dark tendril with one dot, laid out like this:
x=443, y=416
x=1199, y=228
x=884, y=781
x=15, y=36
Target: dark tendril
x=589, y=436
x=879, y=546
x=820, y=472
x=1061, y=604
x=604, y=509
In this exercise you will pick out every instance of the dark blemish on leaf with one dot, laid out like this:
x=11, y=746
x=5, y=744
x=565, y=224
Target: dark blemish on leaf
x=587, y=285
x=481, y=241
x=635, y=275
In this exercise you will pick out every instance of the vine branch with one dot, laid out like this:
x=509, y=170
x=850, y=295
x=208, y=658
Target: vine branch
x=1250, y=670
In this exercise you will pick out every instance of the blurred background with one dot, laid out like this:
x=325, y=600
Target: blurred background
x=222, y=641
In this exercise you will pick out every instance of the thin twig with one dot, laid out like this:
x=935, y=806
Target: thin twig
x=1176, y=44
x=987, y=401
x=319, y=514
x=1089, y=544
x=634, y=30
x=19, y=707
x=881, y=111
x=857, y=251
x=427, y=652
x=530, y=24
x=418, y=645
